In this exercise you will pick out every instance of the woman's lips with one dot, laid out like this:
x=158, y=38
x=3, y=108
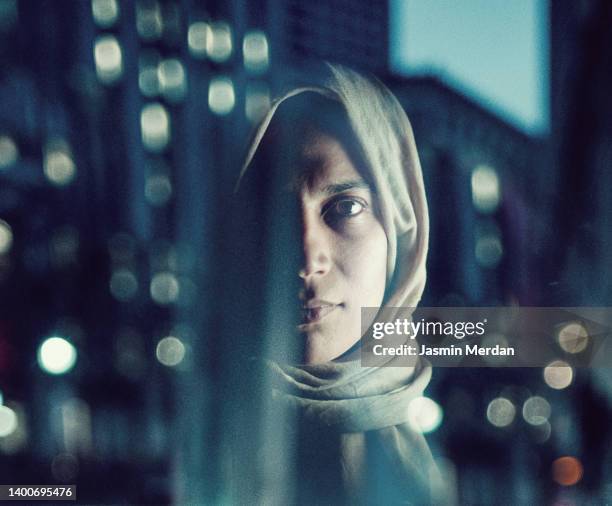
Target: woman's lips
x=314, y=313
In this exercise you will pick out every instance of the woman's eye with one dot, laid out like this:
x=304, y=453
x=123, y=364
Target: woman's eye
x=344, y=208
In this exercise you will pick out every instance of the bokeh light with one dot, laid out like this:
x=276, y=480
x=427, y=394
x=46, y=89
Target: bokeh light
x=6, y=237
x=219, y=42
x=58, y=166
x=108, y=58
x=198, y=36
x=573, y=337
x=56, y=355
x=15, y=426
x=567, y=471
x=158, y=189
x=424, y=414
x=489, y=249
x=255, y=51
x=485, y=189
x=8, y=421
x=149, y=21
x=123, y=284
x=105, y=12
x=164, y=288
x=171, y=78
x=155, y=127
x=148, y=82
x=221, y=97
x=536, y=410
x=501, y=412
x=558, y=375
x=257, y=101
x=8, y=152
x=170, y=351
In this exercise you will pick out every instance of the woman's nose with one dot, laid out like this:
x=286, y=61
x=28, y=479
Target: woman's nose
x=316, y=261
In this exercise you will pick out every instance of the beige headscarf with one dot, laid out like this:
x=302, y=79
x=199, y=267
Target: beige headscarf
x=344, y=396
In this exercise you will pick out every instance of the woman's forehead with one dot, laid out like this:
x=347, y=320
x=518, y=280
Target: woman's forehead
x=322, y=165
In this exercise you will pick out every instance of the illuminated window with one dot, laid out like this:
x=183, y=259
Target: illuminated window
x=105, y=12
x=199, y=37
x=221, y=97
x=485, y=189
x=155, y=127
x=149, y=22
x=58, y=164
x=8, y=152
x=257, y=101
x=219, y=44
x=255, y=51
x=171, y=78
x=108, y=59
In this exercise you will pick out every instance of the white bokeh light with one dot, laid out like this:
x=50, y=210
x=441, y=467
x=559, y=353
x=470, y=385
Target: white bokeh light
x=56, y=355
x=536, y=410
x=558, y=375
x=221, y=96
x=6, y=237
x=58, y=165
x=424, y=414
x=8, y=421
x=485, y=189
x=256, y=51
x=8, y=152
x=573, y=337
x=501, y=412
x=108, y=58
x=170, y=351
x=155, y=126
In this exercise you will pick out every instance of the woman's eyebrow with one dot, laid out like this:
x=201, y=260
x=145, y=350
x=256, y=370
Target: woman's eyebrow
x=335, y=188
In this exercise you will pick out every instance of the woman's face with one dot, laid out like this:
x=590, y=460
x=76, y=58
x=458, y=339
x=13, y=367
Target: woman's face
x=344, y=244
